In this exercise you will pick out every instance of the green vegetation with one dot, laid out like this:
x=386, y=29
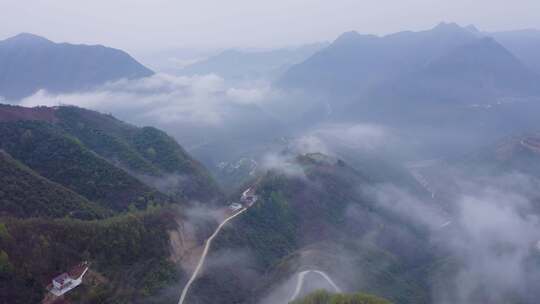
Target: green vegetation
x=106, y=136
x=159, y=276
x=62, y=159
x=24, y=193
x=77, y=185
x=131, y=251
x=143, y=151
x=323, y=297
x=87, y=165
x=321, y=217
x=272, y=214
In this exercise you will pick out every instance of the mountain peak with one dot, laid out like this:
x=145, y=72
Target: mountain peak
x=22, y=57
x=348, y=36
x=444, y=26
x=472, y=28
x=351, y=37
x=27, y=38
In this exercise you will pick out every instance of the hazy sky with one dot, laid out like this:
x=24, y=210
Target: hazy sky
x=137, y=25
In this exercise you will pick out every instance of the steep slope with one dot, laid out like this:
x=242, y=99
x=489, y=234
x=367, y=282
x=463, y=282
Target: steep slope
x=512, y=154
x=128, y=257
x=102, y=158
x=354, y=62
x=78, y=186
x=23, y=193
x=63, y=159
x=524, y=44
x=322, y=297
x=29, y=63
x=315, y=215
x=365, y=74
x=148, y=153
x=476, y=72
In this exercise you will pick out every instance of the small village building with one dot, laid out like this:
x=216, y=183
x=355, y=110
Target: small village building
x=62, y=281
x=235, y=206
x=67, y=281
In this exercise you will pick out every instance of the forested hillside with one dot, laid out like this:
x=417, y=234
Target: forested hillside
x=113, y=164
x=77, y=185
x=128, y=256
x=318, y=215
x=24, y=193
x=148, y=153
x=322, y=297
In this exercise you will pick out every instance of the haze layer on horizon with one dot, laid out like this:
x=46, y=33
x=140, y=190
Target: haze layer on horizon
x=140, y=25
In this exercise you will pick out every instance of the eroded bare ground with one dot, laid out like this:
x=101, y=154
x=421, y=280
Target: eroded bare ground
x=186, y=246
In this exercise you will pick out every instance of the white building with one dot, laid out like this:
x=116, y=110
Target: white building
x=235, y=206
x=64, y=282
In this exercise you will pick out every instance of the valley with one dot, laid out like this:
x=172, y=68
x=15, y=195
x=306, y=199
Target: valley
x=350, y=161
x=208, y=242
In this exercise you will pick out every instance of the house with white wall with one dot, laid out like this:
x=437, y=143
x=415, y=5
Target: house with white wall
x=65, y=282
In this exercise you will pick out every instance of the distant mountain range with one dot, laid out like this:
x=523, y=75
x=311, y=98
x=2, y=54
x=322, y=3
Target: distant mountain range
x=446, y=62
x=78, y=185
x=252, y=64
x=29, y=63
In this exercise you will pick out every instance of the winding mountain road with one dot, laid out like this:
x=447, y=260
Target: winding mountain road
x=300, y=282
x=205, y=252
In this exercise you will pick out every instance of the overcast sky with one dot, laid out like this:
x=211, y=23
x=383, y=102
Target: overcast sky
x=137, y=25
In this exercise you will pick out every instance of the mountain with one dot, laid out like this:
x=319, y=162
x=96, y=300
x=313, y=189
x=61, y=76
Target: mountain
x=354, y=61
x=313, y=212
x=480, y=72
x=147, y=153
x=250, y=65
x=519, y=153
x=129, y=257
x=322, y=297
x=446, y=62
x=524, y=44
x=109, y=162
x=77, y=185
x=24, y=193
x=29, y=63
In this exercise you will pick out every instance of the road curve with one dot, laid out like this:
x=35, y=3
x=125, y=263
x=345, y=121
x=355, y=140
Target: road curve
x=300, y=282
x=205, y=252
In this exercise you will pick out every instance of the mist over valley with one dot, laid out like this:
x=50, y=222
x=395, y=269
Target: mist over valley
x=385, y=167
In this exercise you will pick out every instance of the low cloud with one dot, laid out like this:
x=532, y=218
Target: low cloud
x=401, y=201
x=283, y=164
x=311, y=143
x=493, y=239
x=161, y=98
x=334, y=138
x=361, y=136
x=491, y=234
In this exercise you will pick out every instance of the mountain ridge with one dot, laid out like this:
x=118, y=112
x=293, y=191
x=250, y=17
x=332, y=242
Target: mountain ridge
x=29, y=63
x=67, y=196
x=131, y=162
x=355, y=64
